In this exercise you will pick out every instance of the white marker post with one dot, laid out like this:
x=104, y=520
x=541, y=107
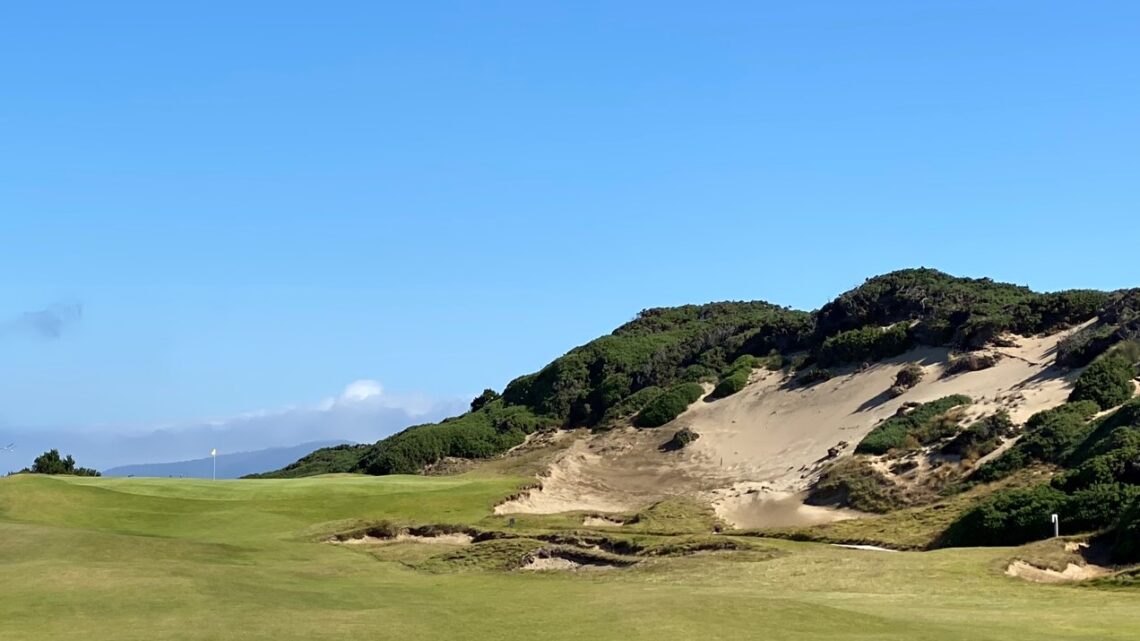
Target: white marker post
x=214, y=459
x=1056, y=526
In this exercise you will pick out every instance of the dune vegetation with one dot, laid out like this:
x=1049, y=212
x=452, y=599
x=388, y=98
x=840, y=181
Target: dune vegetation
x=618, y=375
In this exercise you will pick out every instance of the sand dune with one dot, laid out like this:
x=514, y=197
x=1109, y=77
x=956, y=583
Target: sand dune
x=762, y=447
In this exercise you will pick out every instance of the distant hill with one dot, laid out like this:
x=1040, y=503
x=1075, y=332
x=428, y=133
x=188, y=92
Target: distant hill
x=230, y=466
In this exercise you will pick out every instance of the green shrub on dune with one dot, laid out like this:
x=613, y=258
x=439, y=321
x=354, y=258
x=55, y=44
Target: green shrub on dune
x=1009, y=518
x=1126, y=542
x=493, y=429
x=338, y=459
x=656, y=348
x=736, y=377
x=1049, y=437
x=865, y=344
x=981, y=437
x=731, y=383
x=812, y=376
x=920, y=425
x=669, y=405
x=698, y=373
x=909, y=376
x=1101, y=480
x=1118, y=321
x=632, y=404
x=1057, y=310
x=1107, y=382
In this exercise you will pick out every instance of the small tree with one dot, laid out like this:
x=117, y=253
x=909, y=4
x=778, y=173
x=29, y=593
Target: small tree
x=50, y=462
x=481, y=400
x=909, y=376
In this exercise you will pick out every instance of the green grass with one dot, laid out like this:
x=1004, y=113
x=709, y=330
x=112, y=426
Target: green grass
x=166, y=559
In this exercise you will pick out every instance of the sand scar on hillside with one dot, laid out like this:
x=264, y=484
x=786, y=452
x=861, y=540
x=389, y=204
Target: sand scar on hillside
x=761, y=448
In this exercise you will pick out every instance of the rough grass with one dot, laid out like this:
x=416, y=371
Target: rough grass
x=853, y=482
x=185, y=560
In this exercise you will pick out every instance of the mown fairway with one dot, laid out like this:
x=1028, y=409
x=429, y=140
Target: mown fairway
x=156, y=559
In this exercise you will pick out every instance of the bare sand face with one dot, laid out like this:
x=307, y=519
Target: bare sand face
x=442, y=539
x=1072, y=572
x=760, y=448
x=618, y=471
x=747, y=506
x=550, y=563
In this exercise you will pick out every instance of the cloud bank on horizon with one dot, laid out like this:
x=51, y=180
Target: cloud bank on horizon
x=363, y=412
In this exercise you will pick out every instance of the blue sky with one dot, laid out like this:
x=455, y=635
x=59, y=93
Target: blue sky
x=257, y=205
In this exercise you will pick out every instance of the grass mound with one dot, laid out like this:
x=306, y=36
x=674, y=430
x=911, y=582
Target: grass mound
x=853, y=482
x=676, y=515
x=498, y=555
x=1051, y=554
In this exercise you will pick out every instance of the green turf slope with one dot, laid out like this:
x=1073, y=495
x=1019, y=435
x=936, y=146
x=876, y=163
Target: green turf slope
x=172, y=559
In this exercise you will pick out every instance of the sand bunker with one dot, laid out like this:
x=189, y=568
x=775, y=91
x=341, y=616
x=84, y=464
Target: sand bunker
x=564, y=560
x=774, y=437
x=1072, y=572
x=866, y=548
x=550, y=563
x=442, y=539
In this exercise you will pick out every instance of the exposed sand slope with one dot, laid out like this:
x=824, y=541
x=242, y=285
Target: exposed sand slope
x=761, y=447
x=1072, y=572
